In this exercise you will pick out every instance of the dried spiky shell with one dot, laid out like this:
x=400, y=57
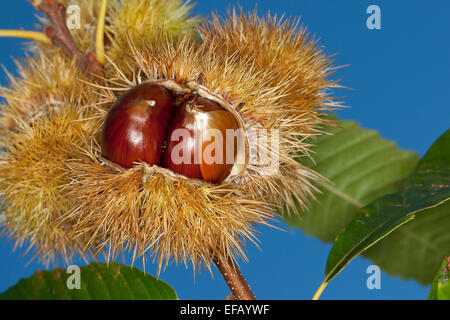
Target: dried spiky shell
x=150, y=209
x=136, y=19
x=48, y=86
x=278, y=74
x=33, y=178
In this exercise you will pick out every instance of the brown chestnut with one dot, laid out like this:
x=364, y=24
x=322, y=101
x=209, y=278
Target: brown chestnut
x=197, y=142
x=136, y=126
x=189, y=134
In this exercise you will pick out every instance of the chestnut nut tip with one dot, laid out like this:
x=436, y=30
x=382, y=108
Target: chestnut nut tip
x=150, y=123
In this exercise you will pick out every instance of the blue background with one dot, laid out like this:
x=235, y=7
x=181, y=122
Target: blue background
x=399, y=80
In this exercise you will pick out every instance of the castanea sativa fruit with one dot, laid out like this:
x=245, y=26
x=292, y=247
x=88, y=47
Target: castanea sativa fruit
x=199, y=144
x=166, y=155
x=136, y=127
x=189, y=134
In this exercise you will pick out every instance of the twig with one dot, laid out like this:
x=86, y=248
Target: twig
x=60, y=36
x=233, y=277
x=34, y=35
x=100, y=36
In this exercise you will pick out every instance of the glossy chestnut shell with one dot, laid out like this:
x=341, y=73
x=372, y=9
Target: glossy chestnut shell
x=203, y=122
x=135, y=127
x=186, y=133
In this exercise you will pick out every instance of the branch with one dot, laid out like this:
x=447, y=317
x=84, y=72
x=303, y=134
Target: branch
x=33, y=35
x=233, y=277
x=100, y=36
x=60, y=36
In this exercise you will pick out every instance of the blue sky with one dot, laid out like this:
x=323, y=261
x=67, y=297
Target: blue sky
x=399, y=80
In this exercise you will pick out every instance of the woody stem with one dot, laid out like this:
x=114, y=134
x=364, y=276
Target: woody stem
x=60, y=36
x=233, y=277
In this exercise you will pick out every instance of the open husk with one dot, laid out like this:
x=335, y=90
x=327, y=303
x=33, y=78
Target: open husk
x=62, y=197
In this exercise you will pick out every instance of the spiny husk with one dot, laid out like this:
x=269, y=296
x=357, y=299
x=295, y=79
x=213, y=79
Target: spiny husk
x=63, y=197
x=138, y=18
x=274, y=69
x=33, y=181
x=148, y=209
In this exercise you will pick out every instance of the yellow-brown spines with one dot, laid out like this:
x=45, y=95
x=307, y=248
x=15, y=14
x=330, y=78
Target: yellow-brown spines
x=60, y=194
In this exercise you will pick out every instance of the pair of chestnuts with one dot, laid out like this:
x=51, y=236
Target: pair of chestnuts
x=187, y=133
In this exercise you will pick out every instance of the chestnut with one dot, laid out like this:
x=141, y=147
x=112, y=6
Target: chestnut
x=197, y=145
x=135, y=127
x=188, y=134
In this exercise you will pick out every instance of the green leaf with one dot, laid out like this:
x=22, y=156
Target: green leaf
x=98, y=282
x=415, y=250
x=427, y=187
x=362, y=167
x=440, y=288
